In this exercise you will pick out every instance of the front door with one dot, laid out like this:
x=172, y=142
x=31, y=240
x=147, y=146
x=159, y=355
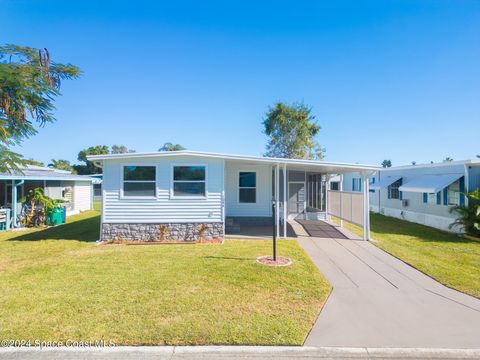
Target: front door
x=296, y=197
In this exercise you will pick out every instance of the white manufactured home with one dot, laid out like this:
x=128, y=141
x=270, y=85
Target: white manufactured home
x=422, y=193
x=184, y=195
x=74, y=190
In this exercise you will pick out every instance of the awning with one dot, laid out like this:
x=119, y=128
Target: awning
x=430, y=183
x=384, y=182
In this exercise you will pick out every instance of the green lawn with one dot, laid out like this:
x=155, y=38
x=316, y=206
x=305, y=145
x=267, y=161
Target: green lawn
x=450, y=259
x=57, y=284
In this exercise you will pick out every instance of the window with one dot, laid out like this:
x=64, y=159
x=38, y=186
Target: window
x=335, y=185
x=432, y=198
x=247, y=187
x=139, y=181
x=189, y=181
x=453, y=193
x=393, y=192
x=357, y=184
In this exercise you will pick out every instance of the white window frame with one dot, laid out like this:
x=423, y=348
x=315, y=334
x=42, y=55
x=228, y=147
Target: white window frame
x=247, y=187
x=432, y=198
x=172, y=181
x=122, y=182
x=458, y=194
x=356, y=184
x=389, y=189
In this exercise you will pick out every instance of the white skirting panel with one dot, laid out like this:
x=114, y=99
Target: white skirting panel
x=438, y=222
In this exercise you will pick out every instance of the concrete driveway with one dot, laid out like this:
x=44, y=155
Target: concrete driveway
x=379, y=301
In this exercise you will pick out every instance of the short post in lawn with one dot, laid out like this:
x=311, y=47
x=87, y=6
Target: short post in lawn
x=274, y=222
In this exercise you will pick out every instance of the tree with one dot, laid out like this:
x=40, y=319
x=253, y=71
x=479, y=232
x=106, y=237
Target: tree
x=387, y=163
x=121, y=149
x=447, y=159
x=62, y=165
x=29, y=83
x=168, y=146
x=468, y=216
x=89, y=167
x=291, y=131
x=32, y=162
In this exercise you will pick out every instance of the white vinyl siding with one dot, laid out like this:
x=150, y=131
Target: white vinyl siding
x=263, y=204
x=163, y=208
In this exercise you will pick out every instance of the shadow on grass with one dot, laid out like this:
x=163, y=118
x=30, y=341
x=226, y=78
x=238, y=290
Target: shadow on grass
x=80, y=230
x=386, y=225
x=229, y=258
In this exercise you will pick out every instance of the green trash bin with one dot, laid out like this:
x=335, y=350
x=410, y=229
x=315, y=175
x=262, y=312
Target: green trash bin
x=55, y=217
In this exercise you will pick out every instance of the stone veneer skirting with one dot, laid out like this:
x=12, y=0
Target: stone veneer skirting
x=164, y=231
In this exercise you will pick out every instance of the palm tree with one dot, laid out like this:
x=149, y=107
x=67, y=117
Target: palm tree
x=468, y=215
x=386, y=163
x=168, y=146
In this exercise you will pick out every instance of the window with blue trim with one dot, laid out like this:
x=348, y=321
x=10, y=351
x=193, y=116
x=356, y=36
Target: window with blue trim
x=453, y=193
x=393, y=191
x=357, y=184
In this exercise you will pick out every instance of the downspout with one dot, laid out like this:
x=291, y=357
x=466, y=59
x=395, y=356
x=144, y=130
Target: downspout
x=14, y=202
x=467, y=184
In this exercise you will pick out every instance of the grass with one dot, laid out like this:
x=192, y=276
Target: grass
x=450, y=259
x=58, y=285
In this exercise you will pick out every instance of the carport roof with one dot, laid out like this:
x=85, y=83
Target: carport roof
x=314, y=165
x=32, y=172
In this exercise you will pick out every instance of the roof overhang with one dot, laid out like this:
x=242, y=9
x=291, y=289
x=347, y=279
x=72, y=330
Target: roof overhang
x=36, y=177
x=384, y=182
x=293, y=164
x=430, y=183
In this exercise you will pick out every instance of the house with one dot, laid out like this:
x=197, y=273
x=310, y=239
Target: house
x=422, y=193
x=147, y=196
x=75, y=190
x=97, y=186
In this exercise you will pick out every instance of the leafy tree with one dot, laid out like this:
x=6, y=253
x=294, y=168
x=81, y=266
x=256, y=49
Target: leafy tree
x=32, y=162
x=29, y=83
x=168, y=146
x=89, y=167
x=62, y=165
x=387, y=163
x=291, y=131
x=121, y=149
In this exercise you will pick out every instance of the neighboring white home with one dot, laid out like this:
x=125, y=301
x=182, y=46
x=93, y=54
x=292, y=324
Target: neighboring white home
x=97, y=186
x=422, y=193
x=75, y=190
x=178, y=194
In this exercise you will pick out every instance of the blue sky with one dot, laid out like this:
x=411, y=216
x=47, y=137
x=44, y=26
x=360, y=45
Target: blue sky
x=392, y=80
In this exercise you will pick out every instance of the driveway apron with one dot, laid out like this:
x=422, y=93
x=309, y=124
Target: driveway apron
x=379, y=301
